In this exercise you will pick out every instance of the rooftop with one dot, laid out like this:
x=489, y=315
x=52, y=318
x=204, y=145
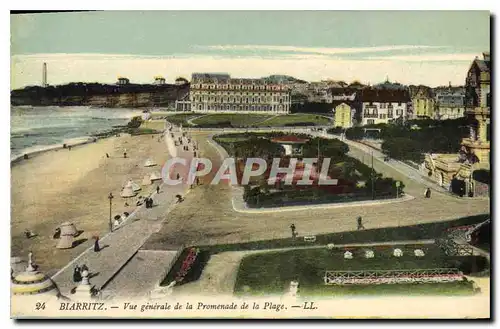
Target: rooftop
x=385, y=95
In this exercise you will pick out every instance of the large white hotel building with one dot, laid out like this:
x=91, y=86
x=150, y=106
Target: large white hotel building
x=216, y=93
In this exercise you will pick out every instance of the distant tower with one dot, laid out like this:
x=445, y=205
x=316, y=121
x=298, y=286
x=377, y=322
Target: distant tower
x=44, y=75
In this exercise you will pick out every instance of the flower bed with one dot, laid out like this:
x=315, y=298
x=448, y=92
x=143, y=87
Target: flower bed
x=187, y=264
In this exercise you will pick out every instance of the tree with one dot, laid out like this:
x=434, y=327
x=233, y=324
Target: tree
x=330, y=148
x=355, y=133
x=403, y=148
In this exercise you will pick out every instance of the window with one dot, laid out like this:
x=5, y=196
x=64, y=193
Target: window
x=370, y=121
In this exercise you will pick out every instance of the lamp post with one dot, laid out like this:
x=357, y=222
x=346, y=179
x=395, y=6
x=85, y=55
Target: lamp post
x=110, y=197
x=373, y=180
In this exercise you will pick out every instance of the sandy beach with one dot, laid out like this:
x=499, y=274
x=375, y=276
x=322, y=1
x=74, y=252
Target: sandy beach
x=61, y=185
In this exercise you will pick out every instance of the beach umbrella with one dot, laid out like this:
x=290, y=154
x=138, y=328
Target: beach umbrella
x=135, y=187
x=68, y=228
x=155, y=176
x=128, y=191
x=65, y=242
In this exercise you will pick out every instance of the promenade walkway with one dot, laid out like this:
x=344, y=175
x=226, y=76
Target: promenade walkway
x=120, y=246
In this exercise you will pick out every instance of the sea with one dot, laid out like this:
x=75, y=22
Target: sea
x=34, y=129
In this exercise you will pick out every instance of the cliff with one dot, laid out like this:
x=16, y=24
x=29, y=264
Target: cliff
x=100, y=95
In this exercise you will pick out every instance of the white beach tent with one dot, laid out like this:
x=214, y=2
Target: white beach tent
x=135, y=187
x=68, y=228
x=128, y=191
x=65, y=242
x=146, y=180
x=155, y=176
x=149, y=163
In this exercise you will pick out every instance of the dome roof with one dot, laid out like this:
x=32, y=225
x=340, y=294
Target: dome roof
x=33, y=282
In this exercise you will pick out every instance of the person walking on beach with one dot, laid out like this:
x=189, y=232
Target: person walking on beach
x=125, y=153
x=97, y=248
x=427, y=193
x=107, y=155
x=293, y=229
x=77, y=274
x=360, y=223
x=158, y=189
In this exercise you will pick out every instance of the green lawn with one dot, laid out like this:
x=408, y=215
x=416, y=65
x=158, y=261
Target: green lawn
x=413, y=232
x=181, y=118
x=445, y=288
x=260, y=120
x=235, y=119
x=292, y=119
x=270, y=273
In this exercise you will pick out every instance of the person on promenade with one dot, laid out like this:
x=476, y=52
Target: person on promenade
x=360, y=223
x=125, y=153
x=77, y=274
x=293, y=229
x=107, y=155
x=97, y=248
x=428, y=193
x=158, y=189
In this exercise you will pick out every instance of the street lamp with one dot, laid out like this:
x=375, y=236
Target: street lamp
x=373, y=180
x=110, y=197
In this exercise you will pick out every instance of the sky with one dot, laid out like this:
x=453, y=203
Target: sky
x=411, y=47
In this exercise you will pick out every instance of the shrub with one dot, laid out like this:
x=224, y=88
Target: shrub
x=355, y=133
x=135, y=122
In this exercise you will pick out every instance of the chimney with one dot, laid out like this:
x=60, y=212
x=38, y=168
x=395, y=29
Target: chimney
x=486, y=56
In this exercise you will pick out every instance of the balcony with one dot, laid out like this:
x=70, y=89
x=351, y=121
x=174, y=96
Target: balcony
x=477, y=110
x=447, y=163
